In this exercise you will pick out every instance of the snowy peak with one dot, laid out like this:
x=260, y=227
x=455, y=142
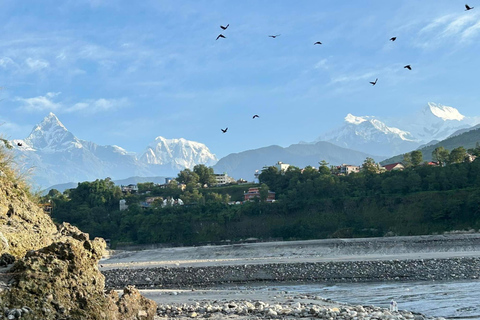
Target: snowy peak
x=51, y=134
x=180, y=153
x=350, y=118
x=443, y=112
x=368, y=126
x=398, y=135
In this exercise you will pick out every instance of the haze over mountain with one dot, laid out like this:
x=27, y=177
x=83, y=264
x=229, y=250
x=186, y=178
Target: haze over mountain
x=244, y=164
x=56, y=156
x=392, y=136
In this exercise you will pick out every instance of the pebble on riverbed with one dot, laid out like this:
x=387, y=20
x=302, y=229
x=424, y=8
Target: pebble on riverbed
x=293, y=310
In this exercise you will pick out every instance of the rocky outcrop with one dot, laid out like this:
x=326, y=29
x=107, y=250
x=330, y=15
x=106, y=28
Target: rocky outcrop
x=55, y=275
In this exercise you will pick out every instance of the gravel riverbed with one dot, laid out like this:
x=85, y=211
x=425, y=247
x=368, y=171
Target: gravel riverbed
x=188, y=274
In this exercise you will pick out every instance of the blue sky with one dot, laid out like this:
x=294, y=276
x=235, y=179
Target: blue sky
x=125, y=72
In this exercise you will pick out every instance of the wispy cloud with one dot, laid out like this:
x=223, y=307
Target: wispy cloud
x=322, y=64
x=36, y=64
x=463, y=27
x=40, y=103
x=90, y=106
x=99, y=105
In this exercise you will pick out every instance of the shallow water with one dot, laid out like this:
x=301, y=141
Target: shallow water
x=458, y=299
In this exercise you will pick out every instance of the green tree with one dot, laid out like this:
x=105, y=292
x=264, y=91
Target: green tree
x=416, y=157
x=206, y=176
x=407, y=160
x=369, y=166
x=187, y=176
x=440, y=154
x=323, y=169
x=145, y=186
x=457, y=155
x=263, y=192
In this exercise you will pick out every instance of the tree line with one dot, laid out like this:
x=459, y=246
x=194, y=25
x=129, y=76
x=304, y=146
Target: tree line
x=311, y=203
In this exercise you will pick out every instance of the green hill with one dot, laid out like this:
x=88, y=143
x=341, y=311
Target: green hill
x=467, y=140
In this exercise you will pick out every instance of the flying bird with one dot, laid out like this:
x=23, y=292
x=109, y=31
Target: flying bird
x=393, y=38
x=408, y=67
x=318, y=42
x=374, y=82
x=256, y=116
x=224, y=28
x=277, y=35
x=19, y=144
x=224, y=130
x=468, y=7
x=220, y=36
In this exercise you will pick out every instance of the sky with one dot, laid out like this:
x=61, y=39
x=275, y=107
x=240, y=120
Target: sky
x=124, y=72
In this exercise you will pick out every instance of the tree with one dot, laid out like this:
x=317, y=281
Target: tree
x=416, y=157
x=475, y=151
x=407, y=160
x=324, y=169
x=263, y=192
x=206, y=176
x=457, y=155
x=440, y=154
x=187, y=176
x=369, y=166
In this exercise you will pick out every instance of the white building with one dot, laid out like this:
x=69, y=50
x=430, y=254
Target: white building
x=123, y=205
x=282, y=167
x=223, y=179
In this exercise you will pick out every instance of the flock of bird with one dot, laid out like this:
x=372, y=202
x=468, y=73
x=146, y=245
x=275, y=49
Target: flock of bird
x=373, y=83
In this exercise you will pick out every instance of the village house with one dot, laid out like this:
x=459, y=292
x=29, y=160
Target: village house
x=223, y=179
x=131, y=188
x=394, y=166
x=253, y=193
x=346, y=169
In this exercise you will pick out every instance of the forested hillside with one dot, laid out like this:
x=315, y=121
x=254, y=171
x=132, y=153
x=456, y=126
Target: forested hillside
x=310, y=204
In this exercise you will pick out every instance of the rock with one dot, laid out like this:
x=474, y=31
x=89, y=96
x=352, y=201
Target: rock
x=6, y=259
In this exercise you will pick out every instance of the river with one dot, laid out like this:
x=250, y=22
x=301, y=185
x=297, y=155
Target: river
x=457, y=299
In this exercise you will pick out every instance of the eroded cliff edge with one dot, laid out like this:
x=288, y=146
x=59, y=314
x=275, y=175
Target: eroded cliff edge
x=50, y=271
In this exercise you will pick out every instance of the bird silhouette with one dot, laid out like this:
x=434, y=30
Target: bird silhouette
x=224, y=28
x=256, y=116
x=393, y=38
x=318, y=42
x=374, y=82
x=468, y=7
x=220, y=36
x=277, y=35
x=408, y=67
x=19, y=144
x=224, y=130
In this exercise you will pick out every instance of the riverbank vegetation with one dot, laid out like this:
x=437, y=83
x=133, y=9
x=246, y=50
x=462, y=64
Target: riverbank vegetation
x=310, y=203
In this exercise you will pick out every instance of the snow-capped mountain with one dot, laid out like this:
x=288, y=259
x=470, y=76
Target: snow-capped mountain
x=435, y=122
x=178, y=153
x=395, y=136
x=54, y=155
x=370, y=135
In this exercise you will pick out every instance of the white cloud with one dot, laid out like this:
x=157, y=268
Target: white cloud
x=322, y=64
x=37, y=64
x=47, y=103
x=462, y=26
x=40, y=103
x=99, y=105
x=6, y=62
x=355, y=77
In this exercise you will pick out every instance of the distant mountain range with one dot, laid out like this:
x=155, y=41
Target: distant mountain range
x=389, y=137
x=244, y=164
x=56, y=156
x=467, y=139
